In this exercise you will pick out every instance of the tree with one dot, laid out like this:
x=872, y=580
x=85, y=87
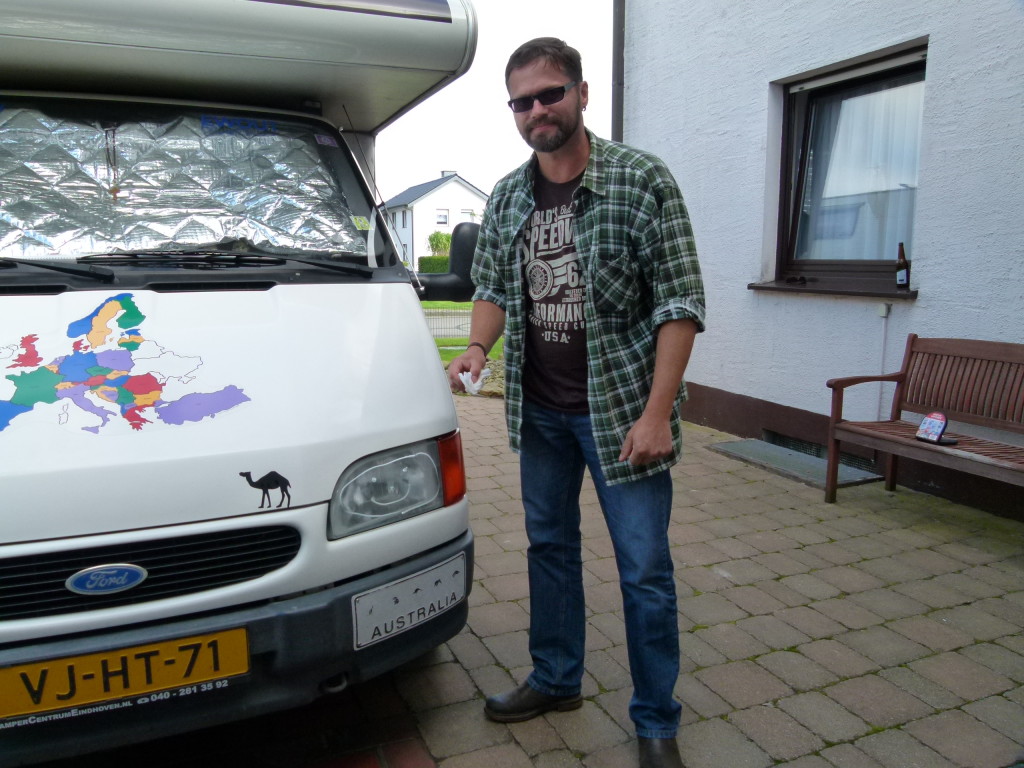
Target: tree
x=440, y=243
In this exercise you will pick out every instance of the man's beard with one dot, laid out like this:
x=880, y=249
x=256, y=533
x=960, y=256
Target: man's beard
x=551, y=142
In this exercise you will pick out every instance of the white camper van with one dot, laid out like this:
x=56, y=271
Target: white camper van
x=231, y=475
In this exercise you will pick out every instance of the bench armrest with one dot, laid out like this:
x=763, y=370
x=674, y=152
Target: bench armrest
x=849, y=381
x=838, y=385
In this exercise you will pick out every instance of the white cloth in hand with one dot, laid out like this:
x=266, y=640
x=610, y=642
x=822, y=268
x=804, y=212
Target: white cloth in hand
x=474, y=387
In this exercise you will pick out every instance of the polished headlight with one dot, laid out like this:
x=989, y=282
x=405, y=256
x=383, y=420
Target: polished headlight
x=394, y=485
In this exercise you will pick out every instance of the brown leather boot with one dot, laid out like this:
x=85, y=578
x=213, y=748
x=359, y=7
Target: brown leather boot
x=659, y=753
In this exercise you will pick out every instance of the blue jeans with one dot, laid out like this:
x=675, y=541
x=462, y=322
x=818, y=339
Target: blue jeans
x=555, y=449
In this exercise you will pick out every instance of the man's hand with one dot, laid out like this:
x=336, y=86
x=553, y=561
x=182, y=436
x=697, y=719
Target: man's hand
x=472, y=360
x=648, y=440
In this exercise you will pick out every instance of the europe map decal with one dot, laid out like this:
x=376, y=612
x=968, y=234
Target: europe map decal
x=111, y=371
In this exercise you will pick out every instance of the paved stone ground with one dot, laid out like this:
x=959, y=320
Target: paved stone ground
x=880, y=632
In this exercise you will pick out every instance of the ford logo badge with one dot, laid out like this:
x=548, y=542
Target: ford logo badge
x=106, y=579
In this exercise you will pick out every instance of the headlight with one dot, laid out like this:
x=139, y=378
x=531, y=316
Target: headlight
x=393, y=485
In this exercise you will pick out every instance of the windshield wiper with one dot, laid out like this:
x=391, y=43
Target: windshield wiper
x=102, y=274
x=213, y=259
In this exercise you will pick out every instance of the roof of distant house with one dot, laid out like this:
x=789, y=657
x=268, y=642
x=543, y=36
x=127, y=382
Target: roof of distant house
x=414, y=193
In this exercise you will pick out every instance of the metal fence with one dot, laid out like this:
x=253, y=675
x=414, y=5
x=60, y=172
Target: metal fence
x=448, y=323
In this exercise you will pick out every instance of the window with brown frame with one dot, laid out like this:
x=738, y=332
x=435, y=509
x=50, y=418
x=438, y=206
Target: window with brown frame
x=850, y=177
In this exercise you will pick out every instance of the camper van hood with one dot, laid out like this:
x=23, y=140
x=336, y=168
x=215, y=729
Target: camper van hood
x=129, y=410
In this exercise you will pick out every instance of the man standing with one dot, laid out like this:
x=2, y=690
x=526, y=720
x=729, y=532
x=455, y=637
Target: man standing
x=586, y=262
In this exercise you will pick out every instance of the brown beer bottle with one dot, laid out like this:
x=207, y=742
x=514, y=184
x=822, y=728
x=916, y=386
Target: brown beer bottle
x=902, y=271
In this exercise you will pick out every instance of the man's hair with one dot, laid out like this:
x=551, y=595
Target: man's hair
x=553, y=50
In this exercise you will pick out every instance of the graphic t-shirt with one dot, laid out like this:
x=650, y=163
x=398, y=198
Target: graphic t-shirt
x=555, y=360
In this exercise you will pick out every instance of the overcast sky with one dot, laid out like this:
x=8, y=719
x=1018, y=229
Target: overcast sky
x=467, y=127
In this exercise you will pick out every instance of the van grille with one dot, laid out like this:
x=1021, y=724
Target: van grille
x=33, y=586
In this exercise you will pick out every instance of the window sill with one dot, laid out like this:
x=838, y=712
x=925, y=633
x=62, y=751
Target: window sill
x=836, y=287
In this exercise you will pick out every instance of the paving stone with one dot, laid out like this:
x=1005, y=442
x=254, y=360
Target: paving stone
x=965, y=740
x=698, y=554
x=897, y=749
x=805, y=535
x=999, y=659
x=889, y=604
x=702, y=654
x=732, y=641
x=811, y=586
x=458, y=729
x=436, y=686
x=878, y=701
x=752, y=600
x=796, y=670
x=700, y=698
x=1005, y=608
x=849, y=579
x=743, y=683
x=957, y=673
x=734, y=548
x=975, y=622
x=932, y=593
x=870, y=546
x=833, y=553
x=994, y=576
x=965, y=553
x=827, y=718
x=1000, y=713
x=563, y=758
x=789, y=597
x=710, y=609
x=930, y=633
x=781, y=563
x=893, y=571
x=776, y=733
x=690, y=533
x=931, y=561
x=504, y=756
x=742, y=571
x=883, y=646
x=767, y=541
x=773, y=632
x=926, y=690
x=808, y=761
x=511, y=649
x=586, y=729
x=848, y=756
x=976, y=588
x=498, y=619
x=716, y=743
x=704, y=579
x=810, y=622
x=847, y=613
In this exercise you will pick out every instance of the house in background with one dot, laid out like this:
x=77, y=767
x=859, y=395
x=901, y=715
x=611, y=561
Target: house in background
x=809, y=140
x=435, y=206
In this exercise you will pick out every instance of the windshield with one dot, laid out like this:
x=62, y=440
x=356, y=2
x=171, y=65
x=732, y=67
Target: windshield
x=83, y=178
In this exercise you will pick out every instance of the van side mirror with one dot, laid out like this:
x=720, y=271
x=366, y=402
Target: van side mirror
x=455, y=284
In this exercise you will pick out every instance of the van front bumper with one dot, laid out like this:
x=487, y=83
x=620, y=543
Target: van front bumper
x=299, y=648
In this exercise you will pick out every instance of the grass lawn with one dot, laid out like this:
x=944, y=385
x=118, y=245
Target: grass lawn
x=453, y=347
x=467, y=305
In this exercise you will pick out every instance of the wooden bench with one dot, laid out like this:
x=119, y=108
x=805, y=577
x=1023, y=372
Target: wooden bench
x=971, y=382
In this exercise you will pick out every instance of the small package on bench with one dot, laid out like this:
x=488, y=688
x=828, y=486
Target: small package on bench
x=931, y=428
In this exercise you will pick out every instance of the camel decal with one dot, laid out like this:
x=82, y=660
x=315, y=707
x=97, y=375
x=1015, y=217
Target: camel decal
x=267, y=483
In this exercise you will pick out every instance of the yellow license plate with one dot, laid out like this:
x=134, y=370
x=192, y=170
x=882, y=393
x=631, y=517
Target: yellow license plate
x=175, y=666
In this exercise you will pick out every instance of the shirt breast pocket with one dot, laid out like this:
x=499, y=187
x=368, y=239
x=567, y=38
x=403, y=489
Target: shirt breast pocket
x=615, y=285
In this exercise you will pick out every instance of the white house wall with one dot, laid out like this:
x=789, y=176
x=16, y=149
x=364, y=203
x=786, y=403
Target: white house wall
x=454, y=197
x=701, y=91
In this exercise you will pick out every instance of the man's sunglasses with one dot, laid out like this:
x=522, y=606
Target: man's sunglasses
x=547, y=98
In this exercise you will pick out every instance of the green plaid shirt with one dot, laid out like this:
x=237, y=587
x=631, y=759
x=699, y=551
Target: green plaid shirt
x=636, y=251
